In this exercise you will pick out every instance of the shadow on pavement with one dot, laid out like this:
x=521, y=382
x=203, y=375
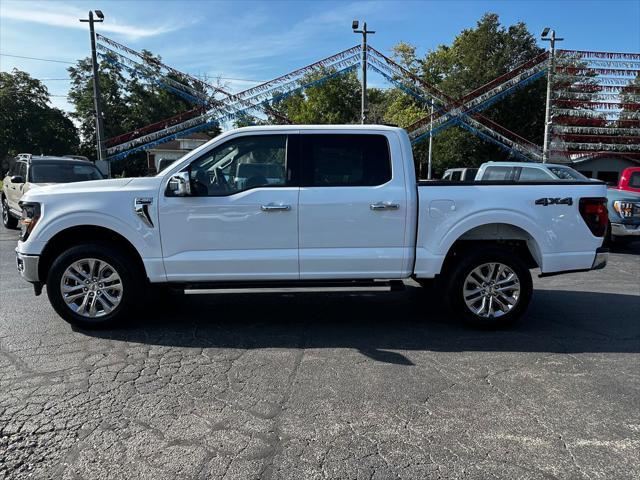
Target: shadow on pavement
x=632, y=247
x=380, y=323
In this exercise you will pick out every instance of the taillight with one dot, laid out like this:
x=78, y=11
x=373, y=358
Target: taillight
x=595, y=214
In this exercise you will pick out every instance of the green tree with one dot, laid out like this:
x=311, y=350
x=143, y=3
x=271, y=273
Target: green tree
x=129, y=101
x=477, y=56
x=333, y=101
x=29, y=124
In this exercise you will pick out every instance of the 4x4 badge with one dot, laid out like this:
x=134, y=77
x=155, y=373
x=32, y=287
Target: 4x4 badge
x=554, y=201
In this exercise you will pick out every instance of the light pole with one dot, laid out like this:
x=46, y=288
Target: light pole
x=430, y=142
x=102, y=155
x=552, y=39
x=363, y=102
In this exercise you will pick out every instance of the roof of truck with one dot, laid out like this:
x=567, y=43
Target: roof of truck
x=262, y=128
x=523, y=164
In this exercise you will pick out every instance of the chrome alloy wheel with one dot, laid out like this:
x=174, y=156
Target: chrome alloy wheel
x=491, y=290
x=91, y=287
x=5, y=211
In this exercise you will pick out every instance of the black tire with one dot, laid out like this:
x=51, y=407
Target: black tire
x=130, y=276
x=469, y=261
x=8, y=220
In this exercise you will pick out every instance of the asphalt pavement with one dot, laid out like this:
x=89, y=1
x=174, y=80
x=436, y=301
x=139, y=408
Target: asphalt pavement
x=362, y=385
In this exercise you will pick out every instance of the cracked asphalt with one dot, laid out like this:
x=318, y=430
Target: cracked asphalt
x=344, y=385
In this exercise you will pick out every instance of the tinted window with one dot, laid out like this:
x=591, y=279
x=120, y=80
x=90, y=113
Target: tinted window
x=455, y=176
x=498, y=173
x=470, y=174
x=534, y=175
x=566, y=173
x=58, y=172
x=240, y=164
x=634, y=180
x=345, y=160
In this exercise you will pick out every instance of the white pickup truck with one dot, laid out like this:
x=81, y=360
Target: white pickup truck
x=304, y=205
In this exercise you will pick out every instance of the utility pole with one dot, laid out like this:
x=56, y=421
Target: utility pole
x=363, y=102
x=100, y=147
x=552, y=39
x=429, y=174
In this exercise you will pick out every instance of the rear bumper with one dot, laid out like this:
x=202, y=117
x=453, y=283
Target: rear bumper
x=28, y=266
x=625, y=230
x=600, y=260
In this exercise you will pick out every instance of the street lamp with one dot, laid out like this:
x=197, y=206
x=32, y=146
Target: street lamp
x=552, y=39
x=364, y=32
x=96, y=85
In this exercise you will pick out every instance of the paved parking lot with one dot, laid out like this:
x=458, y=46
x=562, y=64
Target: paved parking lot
x=370, y=385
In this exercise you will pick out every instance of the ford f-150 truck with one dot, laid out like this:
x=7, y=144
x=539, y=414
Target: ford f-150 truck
x=305, y=205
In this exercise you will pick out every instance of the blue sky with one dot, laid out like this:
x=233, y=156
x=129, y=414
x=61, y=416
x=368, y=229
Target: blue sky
x=245, y=42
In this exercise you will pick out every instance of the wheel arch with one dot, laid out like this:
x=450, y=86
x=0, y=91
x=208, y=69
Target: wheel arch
x=508, y=236
x=77, y=235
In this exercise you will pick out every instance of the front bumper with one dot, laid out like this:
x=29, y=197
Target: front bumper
x=625, y=230
x=28, y=266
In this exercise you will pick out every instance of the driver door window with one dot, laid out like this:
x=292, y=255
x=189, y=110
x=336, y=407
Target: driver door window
x=241, y=164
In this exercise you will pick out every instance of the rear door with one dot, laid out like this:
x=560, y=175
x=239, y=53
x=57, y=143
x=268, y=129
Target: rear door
x=353, y=206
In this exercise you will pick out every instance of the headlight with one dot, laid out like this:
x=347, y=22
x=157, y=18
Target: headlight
x=624, y=209
x=29, y=218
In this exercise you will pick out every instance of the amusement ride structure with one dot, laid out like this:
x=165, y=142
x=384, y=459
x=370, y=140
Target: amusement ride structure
x=595, y=100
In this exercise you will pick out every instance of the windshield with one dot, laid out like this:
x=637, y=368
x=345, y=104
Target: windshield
x=62, y=172
x=566, y=173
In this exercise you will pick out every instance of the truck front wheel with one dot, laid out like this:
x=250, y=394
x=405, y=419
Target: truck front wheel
x=489, y=288
x=8, y=220
x=93, y=285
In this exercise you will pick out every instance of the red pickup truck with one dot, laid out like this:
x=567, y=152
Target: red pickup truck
x=630, y=180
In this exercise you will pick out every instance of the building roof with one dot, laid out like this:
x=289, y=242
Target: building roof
x=593, y=156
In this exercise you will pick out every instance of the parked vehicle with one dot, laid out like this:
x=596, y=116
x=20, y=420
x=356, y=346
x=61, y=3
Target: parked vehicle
x=460, y=174
x=528, y=172
x=346, y=208
x=630, y=180
x=624, y=215
x=30, y=171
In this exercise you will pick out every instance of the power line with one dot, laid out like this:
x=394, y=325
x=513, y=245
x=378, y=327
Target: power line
x=36, y=58
x=73, y=63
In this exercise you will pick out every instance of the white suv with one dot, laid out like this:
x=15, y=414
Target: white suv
x=527, y=172
x=30, y=171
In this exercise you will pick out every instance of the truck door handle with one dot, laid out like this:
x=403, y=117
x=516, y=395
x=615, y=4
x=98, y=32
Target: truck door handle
x=384, y=206
x=274, y=207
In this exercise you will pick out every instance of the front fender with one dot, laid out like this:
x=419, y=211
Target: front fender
x=141, y=237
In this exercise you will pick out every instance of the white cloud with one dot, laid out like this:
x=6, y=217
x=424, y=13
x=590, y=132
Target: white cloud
x=65, y=16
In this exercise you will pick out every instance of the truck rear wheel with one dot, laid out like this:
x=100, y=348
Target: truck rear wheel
x=489, y=288
x=93, y=285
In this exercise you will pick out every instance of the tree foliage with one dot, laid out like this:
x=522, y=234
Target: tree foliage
x=129, y=101
x=477, y=56
x=29, y=124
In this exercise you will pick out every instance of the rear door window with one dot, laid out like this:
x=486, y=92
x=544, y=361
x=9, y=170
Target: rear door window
x=345, y=160
x=634, y=180
x=498, y=173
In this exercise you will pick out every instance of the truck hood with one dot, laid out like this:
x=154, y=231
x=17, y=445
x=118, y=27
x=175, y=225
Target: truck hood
x=93, y=186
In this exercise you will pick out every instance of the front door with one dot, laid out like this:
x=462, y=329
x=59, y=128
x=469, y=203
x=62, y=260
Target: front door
x=241, y=221
x=353, y=207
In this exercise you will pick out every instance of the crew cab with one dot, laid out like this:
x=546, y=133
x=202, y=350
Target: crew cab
x=336, y=204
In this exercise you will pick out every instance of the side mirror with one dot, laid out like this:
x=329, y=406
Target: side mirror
x=179, y=185
x=17, y=179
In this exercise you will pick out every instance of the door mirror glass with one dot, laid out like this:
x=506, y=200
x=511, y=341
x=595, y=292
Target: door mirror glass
x=17, y=179
x=179, y=185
